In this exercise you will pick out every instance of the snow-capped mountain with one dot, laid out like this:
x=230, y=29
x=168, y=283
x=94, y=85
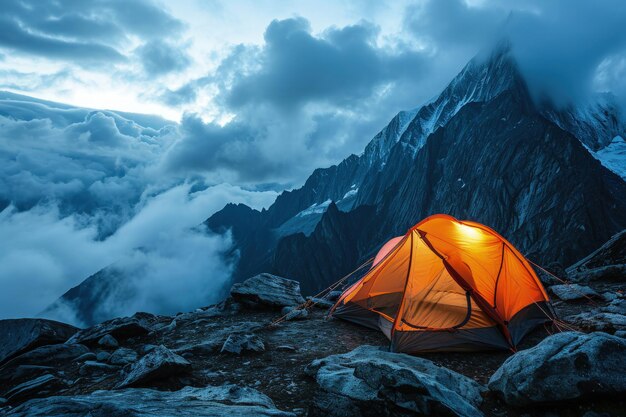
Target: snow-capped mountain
x=481, y=150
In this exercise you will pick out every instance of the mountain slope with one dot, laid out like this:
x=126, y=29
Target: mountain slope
x=481, y=150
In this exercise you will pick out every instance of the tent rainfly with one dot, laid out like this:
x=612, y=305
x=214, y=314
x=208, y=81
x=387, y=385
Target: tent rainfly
x=448, y=285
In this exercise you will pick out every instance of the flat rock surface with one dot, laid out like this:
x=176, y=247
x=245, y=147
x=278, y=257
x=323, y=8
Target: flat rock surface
x=564, y=366
x=371, y=381
x=569, y=292
x=21, y=335
x=269, y=290
x=209, y=401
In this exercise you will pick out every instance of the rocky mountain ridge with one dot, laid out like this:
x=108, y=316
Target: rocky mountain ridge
x=483, y=150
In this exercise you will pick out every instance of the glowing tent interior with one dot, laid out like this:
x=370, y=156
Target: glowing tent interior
x=448, y=285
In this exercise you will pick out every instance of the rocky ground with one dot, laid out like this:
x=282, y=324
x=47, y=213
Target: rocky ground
x=228, y=359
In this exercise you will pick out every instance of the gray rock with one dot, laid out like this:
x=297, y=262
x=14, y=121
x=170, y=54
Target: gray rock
x=22, y=335
x=620, y=333
x=89, y=356
x=108, y=341
x=370, y=381
x=38, y=386
x=293, y=313
x=267, y=290
x=609, y=318
x=617, y=306
x=221, y=401
x=237, y=343
x=160, y=363
x=45, y=355
x=120, y=328
x=93, y=367
x=568, y=292
x=148, y=348
x=609, y=296
x=564, y=366
x=123, y=356
x=103, y=356
x=599, y=321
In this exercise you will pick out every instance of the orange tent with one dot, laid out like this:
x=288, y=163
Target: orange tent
x=448, y=285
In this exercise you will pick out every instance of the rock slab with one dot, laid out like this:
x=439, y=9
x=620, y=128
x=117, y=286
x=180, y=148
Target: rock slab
x=120, y=328
x=22, y=335
x=227, y=400
x=569, y=292
x=369, y=381
x=564, y=366
x=268, y=290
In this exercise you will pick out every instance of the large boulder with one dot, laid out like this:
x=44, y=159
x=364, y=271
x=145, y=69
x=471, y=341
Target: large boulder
x=607, y=263
x=159, y=363
x=267, y=290
x=369, y=381
x=227, y=400
x=564, y=366
x=21, y=335
x=123, y=356
x=120, y=328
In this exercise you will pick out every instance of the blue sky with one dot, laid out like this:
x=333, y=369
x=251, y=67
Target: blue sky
x=259, y=94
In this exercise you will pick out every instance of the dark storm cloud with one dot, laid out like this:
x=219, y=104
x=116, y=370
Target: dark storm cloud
x=82, y=32
x=453, y=23
x=234, y=150
x=301, y=100
x=339, y=66
x=160, y=57
x=561, y=46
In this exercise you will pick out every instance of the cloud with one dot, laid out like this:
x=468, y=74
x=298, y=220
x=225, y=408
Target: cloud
x=339, y=66
x=169, y=263
x=34, y=81
x=90, y=165
x=564, y=49
x=561, y=46
x=455, y=24
x=160, y=58
x=15, y=37
x=88, y=34
x=299, y=101
x=80, y=190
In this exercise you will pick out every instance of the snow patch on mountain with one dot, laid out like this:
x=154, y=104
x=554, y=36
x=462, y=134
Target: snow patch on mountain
x=315, y=209
x=614, y=156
